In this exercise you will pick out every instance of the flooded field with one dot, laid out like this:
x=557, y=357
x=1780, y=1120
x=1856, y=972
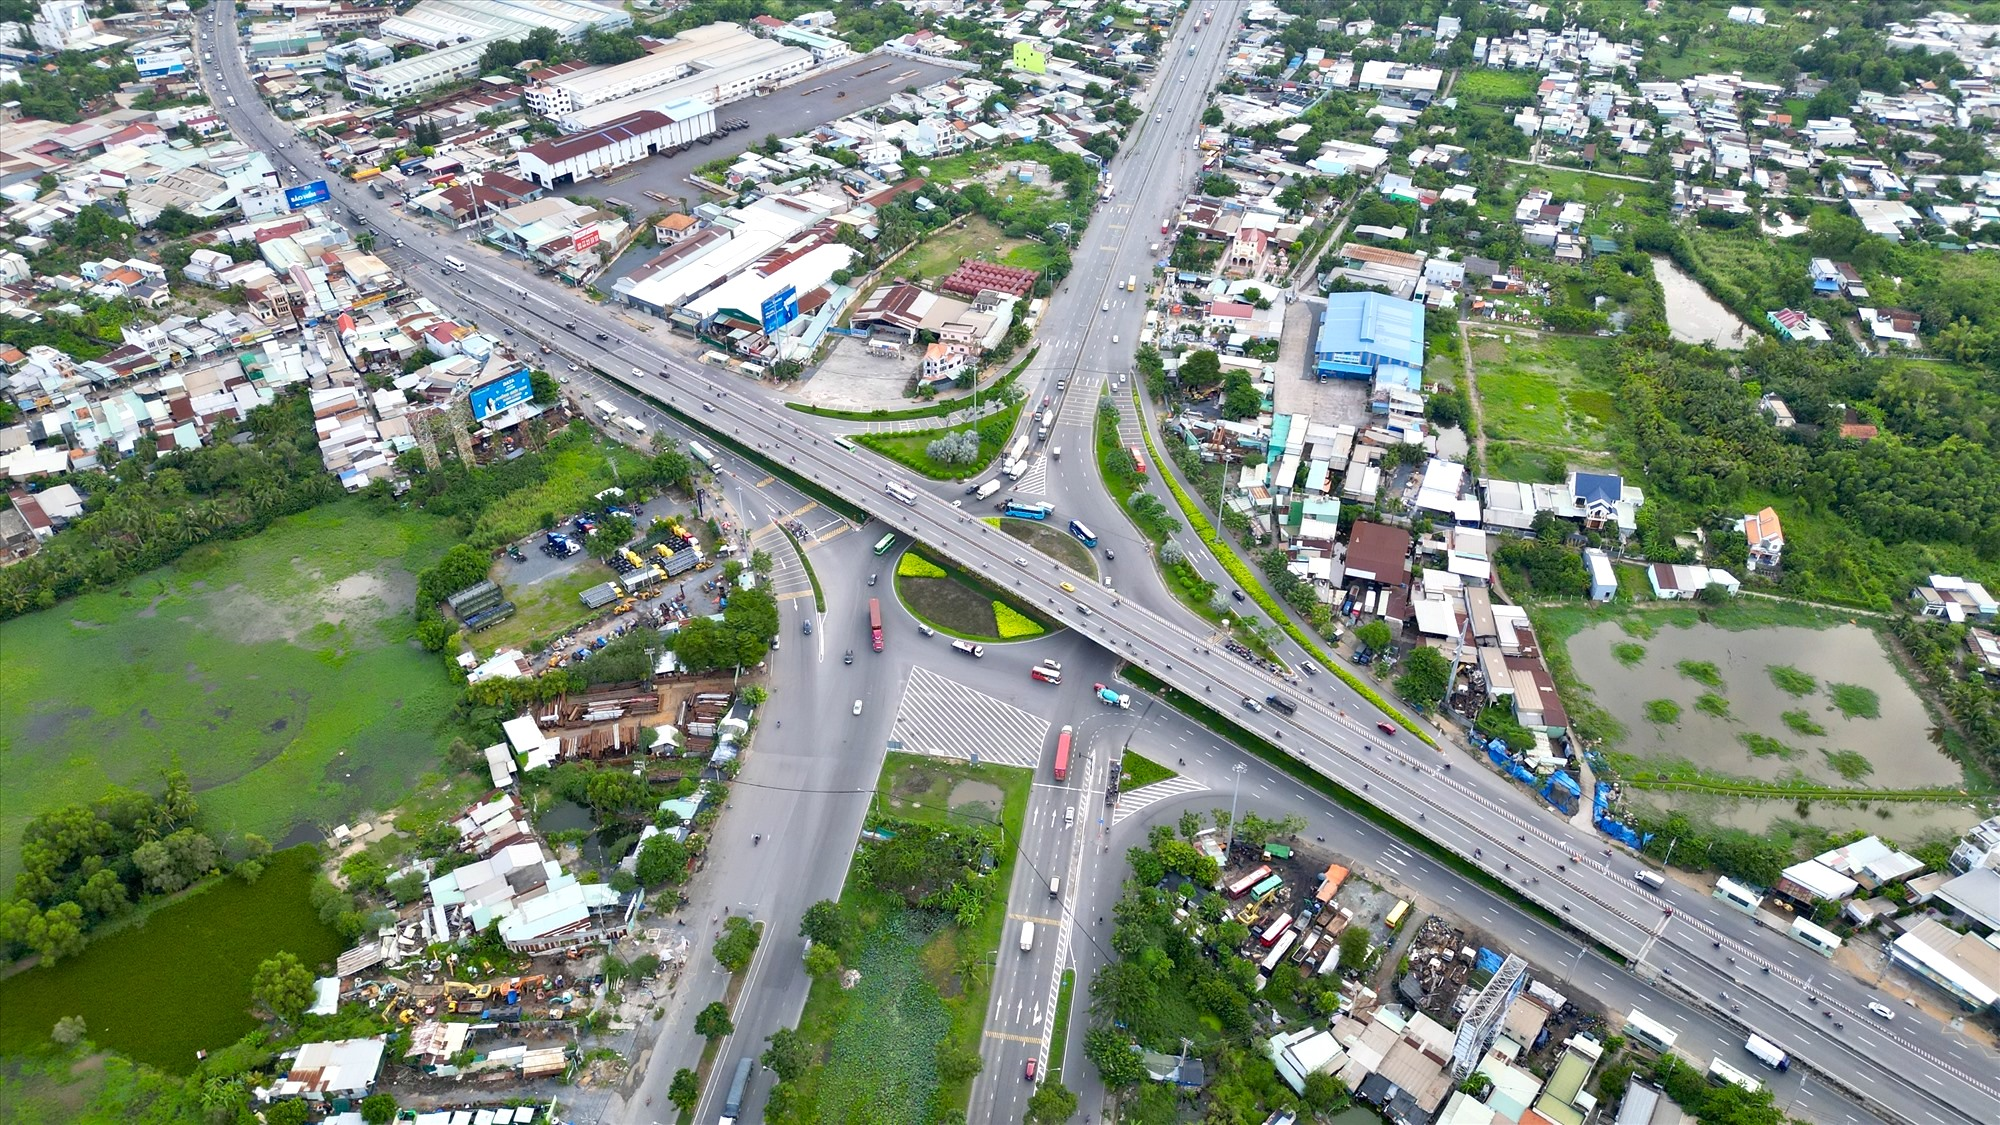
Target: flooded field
x=1906, y=822
x=1692, y=315
x=1824, y=705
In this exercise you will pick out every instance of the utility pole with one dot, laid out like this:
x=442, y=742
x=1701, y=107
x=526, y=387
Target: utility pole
x=1236, y=769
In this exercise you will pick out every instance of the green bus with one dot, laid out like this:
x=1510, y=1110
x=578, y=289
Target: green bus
x=883, y=544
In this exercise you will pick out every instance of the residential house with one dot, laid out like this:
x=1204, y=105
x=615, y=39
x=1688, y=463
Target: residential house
x=1899, y=326
x=1765, y=536
x=1954, y=599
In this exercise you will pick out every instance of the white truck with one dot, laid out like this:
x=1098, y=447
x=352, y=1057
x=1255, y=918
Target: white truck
x=702, y=456
x=605, y=408
x=988, y=489
x=1027, y=937
x=1767, y=1052
x=1017, y=469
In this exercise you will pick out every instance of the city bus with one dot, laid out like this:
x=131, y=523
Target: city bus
x=1242, y=886
x=901, y=491
x=1083, y=533
x=454, y=263
x=1062, y=754
x=1026, y=511
x=1720, y=1072
x=1138, y=460
x=883, y=544
x=1275, y=930
x=1277, y=954
x=1396, y=914
x=1641, y=1029
x=1267, y=887
x=843, y=443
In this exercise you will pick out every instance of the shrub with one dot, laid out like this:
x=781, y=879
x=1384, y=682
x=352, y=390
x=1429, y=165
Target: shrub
x=913, y=565
x=1663, y=711
x=1010, y=623
x=1628, y=654
x=1710, y=703
x=1802, y=722
x=1855, y=701
x=1764, y=746
x=1791, y=681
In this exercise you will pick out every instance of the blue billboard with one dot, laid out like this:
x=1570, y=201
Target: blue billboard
x=781, y=308
x=507, y=391
x=306, y=195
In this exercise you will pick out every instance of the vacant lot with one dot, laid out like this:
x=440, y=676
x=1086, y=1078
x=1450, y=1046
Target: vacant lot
x=212, y=940
x=941, y=252
x=1544, y=398
x=278, y=669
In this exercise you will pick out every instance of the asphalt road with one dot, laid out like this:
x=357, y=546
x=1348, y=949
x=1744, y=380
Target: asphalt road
x=1914, y=1069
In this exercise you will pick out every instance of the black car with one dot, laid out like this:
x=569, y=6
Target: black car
x=1237, y=594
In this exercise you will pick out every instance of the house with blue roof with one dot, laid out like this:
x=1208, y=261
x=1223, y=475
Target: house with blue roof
x=1363, y=333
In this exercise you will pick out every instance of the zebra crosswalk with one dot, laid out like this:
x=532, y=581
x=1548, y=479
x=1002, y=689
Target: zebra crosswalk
x=1133, y=801
x=945, y=719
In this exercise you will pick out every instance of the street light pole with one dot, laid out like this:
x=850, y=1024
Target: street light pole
x=1236, y=769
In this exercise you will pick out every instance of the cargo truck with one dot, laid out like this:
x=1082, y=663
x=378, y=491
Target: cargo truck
x=988, y=489
x=875, y=622
x=701, y=454
x=1767, y=1052
x=732, y=1105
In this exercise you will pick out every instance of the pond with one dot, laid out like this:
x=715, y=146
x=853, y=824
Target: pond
x=1693, y=316
x=568, y=816
x=1895, y=745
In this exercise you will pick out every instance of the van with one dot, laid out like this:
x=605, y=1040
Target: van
x=1651, y=879
x=1027, y=937
x=1055, y=887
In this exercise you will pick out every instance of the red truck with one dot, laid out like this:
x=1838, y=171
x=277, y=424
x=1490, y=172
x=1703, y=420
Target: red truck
x=875, y=622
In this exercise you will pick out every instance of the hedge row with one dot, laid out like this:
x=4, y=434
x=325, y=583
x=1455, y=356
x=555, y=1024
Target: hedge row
x=1254, y=586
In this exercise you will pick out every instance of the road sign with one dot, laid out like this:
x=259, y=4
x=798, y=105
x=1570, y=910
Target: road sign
x=306, y=195
x=780, y=308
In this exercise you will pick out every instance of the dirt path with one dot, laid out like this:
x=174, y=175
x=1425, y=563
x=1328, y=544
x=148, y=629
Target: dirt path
x=1477, y=422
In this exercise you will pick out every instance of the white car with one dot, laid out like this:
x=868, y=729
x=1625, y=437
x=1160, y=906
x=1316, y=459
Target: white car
x=1881, y=1009
x=1069, y=816
x=1106, y=308
x=857, y=706
x=1114, y=339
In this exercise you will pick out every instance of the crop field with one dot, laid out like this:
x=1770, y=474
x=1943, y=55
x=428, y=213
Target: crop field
x=278, y=669
x=213, y=940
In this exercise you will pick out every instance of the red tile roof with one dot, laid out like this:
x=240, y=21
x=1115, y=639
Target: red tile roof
x=972, y=277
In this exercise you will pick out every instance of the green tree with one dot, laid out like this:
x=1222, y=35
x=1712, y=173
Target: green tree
x=1052, y=1104
x=547, y=391
x=685, y=1089
x=1376, y=636
x=789, y=1054
x=1325, y=1093
x=1426, y=677
x=1117, y=1063
x=713, y=1022
x=822, y=960
x=1354, y=947
x=824, y=923
x=69, y=1031
x=1200, y=368
x=737, y=943
x=292, y=1111
x=378, y=1109
x=662, y=859
x=283, y=986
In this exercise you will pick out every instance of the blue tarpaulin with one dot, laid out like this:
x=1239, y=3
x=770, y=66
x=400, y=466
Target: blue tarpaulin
x=1562, y=791
x=1487, y=962
x=1600, y=805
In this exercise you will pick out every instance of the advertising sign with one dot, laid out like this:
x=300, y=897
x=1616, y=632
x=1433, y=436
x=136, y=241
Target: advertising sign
x=780, y=308
x=585, y=238
x=306, y=195
x=507, y=391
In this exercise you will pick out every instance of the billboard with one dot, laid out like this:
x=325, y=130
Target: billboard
x=507, y=391
x=306, y=195
x=1027, y=58
x=585, y=238
x=780, y=308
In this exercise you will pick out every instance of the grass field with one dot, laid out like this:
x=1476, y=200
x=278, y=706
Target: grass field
x=1052, y=541
x=909, y=447
x=575, y=475
x=1543, y=398
x=1495, y=86
x=924, y=987
x=211, y=942
x=278, y=669
x=939, y=254
x=542, y=610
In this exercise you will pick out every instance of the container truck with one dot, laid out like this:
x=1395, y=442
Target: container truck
x=875, y=622
x=1019, y=450
x=1017, y=469
x=701, y=454
x=987, y=490
x=738, y=1086
x=1048, y=421
x=1767, y=1052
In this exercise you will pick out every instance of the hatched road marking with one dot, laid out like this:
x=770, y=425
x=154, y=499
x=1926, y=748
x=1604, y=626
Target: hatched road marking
x=1132, y=801
x=946, y=719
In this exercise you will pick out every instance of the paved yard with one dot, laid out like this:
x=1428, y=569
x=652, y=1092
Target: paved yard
x=1332, y=402
x=853, y=379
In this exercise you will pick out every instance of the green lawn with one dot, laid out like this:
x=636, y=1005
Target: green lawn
x=909, y=448
x=542, y=610
x=1543, y=398
x=278, y=669
x=1135, y=770
x=575, y=476
x=180, y=983
x=1495, y=86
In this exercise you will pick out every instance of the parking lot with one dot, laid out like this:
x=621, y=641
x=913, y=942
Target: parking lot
x=862, y=84
x=1330, y=401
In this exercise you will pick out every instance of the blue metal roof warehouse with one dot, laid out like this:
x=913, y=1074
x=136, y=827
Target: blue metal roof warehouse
x=1363, y=331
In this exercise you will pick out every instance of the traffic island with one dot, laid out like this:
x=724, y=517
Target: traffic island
x=952, y=601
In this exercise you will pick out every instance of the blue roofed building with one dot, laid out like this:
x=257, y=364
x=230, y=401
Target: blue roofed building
x=1363, y=333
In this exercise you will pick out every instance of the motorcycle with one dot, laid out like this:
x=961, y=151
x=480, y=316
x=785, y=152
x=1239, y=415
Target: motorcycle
x=757, y=839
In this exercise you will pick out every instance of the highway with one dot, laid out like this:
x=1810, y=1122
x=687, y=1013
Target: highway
x=1912, y=1069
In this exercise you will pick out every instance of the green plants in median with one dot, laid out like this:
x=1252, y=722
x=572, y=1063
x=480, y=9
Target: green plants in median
x=1628, y=654
x=1790, y=680
x=1663, y=711
x=910, y=448
x=1855, y=701
x=1802, y=722
x=205, y=936
x=914, y=565
x=1250, y=585
x=819, y=595
x=962, y=604
x=1012, y=624
x=1701, y=672
x=1135, y=770
x=1850, y=764
x=1710, y=703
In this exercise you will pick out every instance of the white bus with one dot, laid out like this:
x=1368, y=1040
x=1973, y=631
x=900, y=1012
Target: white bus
x=1815, y=938
x=1719, y=1071
x=901, y=491
x=1641, y=1029
x=454, y=263
x=634, y=425
x=1737, y=895
x=1278, y=951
